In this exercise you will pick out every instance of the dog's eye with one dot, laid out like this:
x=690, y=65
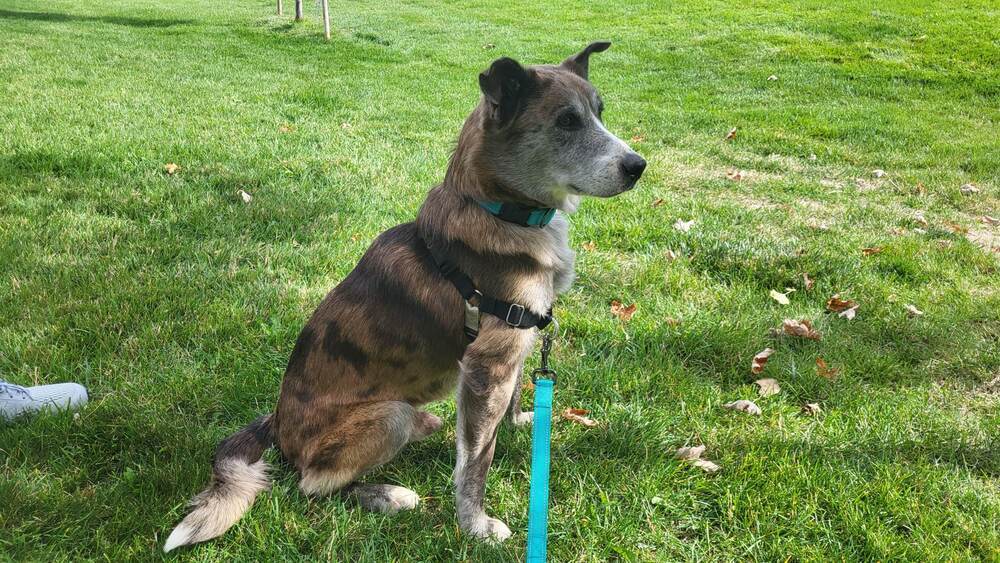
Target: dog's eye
x=569, y=120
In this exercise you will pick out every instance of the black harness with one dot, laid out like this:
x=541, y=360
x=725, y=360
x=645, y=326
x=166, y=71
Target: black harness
x=514, y=314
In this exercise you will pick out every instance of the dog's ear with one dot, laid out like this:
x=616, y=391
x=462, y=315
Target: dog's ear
x=580, y=62
x=504, y=85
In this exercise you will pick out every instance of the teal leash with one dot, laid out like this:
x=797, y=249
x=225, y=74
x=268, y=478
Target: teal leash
x=541, y=435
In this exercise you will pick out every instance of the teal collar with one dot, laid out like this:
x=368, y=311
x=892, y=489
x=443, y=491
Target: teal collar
x=519, y=214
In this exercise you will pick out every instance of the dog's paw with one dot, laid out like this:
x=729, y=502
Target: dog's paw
x=523, y=418
x=489, y=529
x=385, y=498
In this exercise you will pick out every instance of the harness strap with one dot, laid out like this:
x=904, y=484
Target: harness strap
x=514, y=314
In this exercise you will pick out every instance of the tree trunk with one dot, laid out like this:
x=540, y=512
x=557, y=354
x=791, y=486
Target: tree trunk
x=298, y=10
x=326, y=19
x=281, y=8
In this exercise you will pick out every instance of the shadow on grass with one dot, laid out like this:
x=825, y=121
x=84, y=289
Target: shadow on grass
x=115, y=20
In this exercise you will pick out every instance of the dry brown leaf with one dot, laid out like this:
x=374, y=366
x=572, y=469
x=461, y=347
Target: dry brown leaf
x=991, y=220
x=802, y=329
x=969, y=189
x=285, y=128
x=683, y=226
x=913, y=311
x=807, y=282
x=670, y=254
x=638, y=138
x=171, y=168
x=780, y=297
x=824, y=370
x=590, y=246
x=247, y=198
x=706, y=466
x=871, y=250
x=731, y=134
x=579, y=416
x=621, y=311
x=811, y=409
x=956, y=228
x=734, y=175
x=768, y=387
x=920, y=219
x=760, y=360
x=672, y=321
x=743, y=405
x=835, y=304
x=657, y=202
x=690, y=453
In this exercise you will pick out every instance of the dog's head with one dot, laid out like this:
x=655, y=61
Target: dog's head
x=543, y=133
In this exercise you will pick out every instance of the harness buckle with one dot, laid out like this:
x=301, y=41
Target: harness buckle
x=520, y=316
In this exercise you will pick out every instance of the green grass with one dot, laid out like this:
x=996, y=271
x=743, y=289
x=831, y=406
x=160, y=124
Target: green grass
x=177, y=304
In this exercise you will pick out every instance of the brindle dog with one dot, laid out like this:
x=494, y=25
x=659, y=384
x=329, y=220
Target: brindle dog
x=390, y=339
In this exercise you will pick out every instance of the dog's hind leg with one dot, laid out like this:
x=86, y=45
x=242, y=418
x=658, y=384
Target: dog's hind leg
x=365, y=436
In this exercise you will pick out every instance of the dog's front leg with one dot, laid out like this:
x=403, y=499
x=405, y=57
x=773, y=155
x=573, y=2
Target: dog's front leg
x=514, y=413
x=489, y=374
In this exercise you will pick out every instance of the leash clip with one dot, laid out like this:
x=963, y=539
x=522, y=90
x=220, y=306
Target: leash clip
x=544, y=370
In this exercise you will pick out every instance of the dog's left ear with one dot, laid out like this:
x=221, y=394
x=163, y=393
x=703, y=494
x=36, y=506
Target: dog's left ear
x=580, y=62
x=504, y=85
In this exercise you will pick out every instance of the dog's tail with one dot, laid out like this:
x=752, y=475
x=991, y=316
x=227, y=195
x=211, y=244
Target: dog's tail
x=238, y=474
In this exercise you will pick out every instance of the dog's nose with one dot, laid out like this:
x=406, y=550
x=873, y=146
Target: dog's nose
x=632, y=166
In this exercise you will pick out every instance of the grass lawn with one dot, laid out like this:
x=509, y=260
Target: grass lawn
x=177, y=304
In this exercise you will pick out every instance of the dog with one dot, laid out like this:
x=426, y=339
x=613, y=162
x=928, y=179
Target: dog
x=453, y=299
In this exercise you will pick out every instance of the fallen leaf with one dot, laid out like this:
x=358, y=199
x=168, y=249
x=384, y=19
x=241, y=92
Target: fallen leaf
x=878, y=173
x=657, y=202
x=285, y=128
x=743, y=405
x=991, y=220
x=920, y=219
x=590, y=246
x=706, y=466
x=638, y=138
x=690, y=453
x=772, y=78
x=579, y=416
x=731, y=134
x=802, y=329
x=670, y=254
x=734, y=175
x=871, y=250
x=247, y=198
x=672, y=321
x=944, y=243
x=489, y=46
x=835, y=304
x=760, y=360
x=621, y=311
x=969, y=189
x=824, y=370
x=683, y=226
x=527, y=385
x=768, y=387
x=171, y=168
x=779, y=297
x=956, y=228
x=913, y=311
x=849, y=313
x=811, y=409
x=807, y=282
